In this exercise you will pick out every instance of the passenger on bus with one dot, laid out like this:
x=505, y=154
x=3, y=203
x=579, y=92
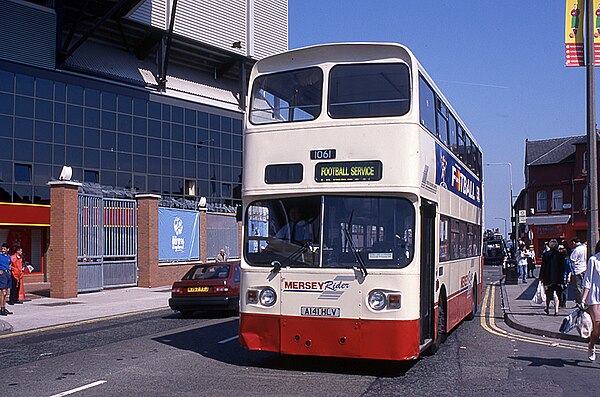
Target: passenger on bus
x=297, y=230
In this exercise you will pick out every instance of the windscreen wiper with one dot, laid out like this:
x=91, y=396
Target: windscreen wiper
x=277, y=265
x=359, y=260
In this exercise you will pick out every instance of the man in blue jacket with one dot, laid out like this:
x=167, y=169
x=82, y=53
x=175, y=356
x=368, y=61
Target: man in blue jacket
x=5, y=279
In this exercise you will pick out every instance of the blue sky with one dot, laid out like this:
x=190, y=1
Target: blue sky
x=500, y=64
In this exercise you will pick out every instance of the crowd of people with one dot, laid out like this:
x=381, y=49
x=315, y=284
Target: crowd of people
x=11, y=277
x=564, y=264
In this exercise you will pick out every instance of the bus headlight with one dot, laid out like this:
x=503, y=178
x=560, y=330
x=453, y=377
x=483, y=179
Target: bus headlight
x=377, y=300
x=267, y=297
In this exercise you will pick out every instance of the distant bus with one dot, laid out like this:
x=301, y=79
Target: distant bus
x=363, y=206
x=495, y=250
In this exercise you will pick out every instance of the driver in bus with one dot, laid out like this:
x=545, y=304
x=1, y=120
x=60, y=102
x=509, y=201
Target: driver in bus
x=297, y=230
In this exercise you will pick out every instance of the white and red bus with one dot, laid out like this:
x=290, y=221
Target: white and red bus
x=363, y=209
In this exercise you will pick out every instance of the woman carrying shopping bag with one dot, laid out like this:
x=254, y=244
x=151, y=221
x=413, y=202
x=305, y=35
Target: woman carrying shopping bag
x=591, y=297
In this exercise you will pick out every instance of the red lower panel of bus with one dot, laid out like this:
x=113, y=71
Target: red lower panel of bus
x=372, y=339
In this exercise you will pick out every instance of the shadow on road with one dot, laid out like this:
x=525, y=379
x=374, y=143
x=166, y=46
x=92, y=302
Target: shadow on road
x=205, y=341
x=556, y=362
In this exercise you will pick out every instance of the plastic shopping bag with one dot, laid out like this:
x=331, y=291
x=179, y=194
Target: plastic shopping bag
x=540, y=295
x=570, y=321
x=584, y=325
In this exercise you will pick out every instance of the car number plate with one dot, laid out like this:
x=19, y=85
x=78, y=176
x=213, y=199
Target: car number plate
x=320, y=311
x=197, y=289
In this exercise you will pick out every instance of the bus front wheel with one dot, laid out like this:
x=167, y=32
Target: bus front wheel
x=441, y=327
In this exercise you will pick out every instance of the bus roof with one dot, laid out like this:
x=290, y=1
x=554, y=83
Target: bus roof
x=347, y=52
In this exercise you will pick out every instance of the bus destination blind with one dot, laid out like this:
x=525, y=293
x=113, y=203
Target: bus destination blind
x=349, y=171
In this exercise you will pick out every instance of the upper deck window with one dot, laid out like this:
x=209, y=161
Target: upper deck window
x=369, y=90
x=287, y=96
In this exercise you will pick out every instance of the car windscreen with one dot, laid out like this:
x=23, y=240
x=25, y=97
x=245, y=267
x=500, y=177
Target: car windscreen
x=208, y=272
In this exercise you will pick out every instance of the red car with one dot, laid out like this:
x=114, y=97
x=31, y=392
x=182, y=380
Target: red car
x=214, y=286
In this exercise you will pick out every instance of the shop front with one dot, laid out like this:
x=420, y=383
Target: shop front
x=27, y=226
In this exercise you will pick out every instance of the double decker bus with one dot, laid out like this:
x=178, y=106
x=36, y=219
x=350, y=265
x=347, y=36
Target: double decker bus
x=362, y=199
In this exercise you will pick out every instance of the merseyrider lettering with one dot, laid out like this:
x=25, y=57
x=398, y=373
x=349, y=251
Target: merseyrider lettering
x=318, y=286
x=350, y=171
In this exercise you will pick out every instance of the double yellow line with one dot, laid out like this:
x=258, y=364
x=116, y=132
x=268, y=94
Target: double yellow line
x=488, y=322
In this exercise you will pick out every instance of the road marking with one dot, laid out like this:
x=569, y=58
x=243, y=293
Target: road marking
x=77, y=389
x=489, y=301
x=228, y=339
x=83, y=322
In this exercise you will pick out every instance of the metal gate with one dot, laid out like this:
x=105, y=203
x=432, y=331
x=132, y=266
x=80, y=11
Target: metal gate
x=107, y=243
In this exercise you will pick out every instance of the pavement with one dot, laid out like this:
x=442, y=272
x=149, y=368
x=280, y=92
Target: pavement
x=39, y=311
x=522, y=314
x=42, y=312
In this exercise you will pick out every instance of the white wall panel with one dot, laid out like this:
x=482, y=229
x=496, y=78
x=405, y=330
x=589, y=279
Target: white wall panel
x=270, y=27
x=216, y=22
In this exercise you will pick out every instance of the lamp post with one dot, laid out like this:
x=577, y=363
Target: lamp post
x=512, y=217
x=505, y=229
x=592, y=170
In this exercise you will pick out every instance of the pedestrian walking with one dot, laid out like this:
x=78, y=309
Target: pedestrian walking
x=222, y=257
x=522, y=255
x=4, y=278
x=531, y=262
x=578, y=264
x=16, y=273
x=591, y=297
x=562, y=299
x=552, y=275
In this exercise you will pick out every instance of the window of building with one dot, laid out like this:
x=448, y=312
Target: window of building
x=542, y=201
x=190, y=187
x=22, y=173
x=90, y=176
x=557, y=200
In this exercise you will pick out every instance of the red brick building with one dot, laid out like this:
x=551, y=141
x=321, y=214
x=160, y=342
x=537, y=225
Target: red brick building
x=555, y=197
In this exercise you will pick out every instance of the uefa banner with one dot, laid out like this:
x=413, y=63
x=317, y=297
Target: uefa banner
x=574, y=29
x=178, y=235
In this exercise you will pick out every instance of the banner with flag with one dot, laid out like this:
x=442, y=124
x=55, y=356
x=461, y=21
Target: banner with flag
x=574, y=27
x=597, y=32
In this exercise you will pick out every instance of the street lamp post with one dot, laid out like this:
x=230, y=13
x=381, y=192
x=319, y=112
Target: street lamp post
x=505, y=229
x=512, y=216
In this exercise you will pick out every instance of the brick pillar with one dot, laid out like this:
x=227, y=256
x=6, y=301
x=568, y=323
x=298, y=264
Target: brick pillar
x=203, y=246
x=147, y=254
x=62, y=251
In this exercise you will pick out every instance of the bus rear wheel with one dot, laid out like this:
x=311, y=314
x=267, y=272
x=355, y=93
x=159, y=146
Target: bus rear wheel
x=471, y=315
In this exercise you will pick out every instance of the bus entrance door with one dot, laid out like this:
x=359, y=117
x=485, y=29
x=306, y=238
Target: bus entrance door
x=428, y=211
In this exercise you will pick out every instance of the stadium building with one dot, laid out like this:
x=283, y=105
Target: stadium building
x=136, y=96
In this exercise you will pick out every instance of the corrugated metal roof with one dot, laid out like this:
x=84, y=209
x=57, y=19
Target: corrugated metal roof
x=183, y=83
